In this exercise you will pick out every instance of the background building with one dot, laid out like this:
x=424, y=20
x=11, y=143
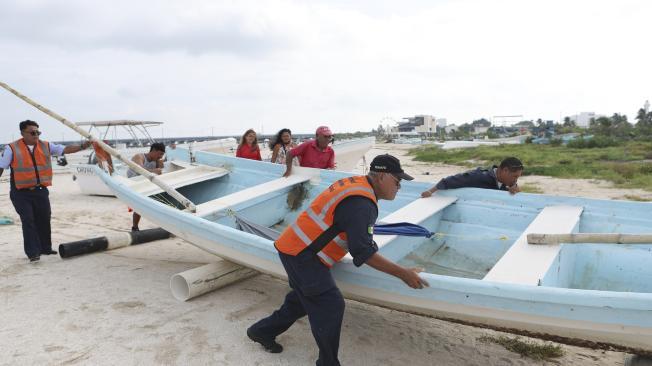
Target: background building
x=584, y=119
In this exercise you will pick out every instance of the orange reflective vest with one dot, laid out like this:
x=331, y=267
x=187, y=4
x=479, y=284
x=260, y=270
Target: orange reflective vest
x=31, y=170
x=319, y=217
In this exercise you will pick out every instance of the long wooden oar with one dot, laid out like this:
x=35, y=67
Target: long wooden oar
x=589, y=238
x=135, y=167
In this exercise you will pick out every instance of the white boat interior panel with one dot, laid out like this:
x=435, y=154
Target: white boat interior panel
x=178, y=178
x=249, y=194
x=527, y=264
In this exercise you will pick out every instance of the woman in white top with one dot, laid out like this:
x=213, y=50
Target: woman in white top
x=281, y=146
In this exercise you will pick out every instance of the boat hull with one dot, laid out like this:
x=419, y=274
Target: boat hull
x=587, y=317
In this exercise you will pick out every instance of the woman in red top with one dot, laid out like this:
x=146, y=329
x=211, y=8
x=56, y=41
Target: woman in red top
x=248, y=148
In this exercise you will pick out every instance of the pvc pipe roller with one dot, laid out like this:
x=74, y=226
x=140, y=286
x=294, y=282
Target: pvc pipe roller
x=198, y=281
x=589, y=238
x=111, y=241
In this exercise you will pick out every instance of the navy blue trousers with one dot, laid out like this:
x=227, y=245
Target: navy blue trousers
x=315, y=294
x=33, y=207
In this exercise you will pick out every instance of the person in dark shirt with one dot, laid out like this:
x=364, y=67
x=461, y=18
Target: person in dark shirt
x=313, y=289
x=503, y=177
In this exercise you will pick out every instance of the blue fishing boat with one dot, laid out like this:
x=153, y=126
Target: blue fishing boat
x=479, y=264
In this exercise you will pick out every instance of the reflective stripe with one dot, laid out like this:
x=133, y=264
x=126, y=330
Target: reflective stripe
x=341, y=243
x=326, y=258
x=328, y=205
x=297, y=230
x=24, y=170
x=307, y=241
x=18, y=155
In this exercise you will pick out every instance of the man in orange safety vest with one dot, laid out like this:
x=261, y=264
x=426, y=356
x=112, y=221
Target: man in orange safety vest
x=31, y=173
x=339, y=221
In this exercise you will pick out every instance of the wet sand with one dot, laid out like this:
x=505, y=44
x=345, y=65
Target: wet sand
x=116, y=307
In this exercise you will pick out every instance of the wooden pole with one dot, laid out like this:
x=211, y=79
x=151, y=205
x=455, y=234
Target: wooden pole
x=589, y=238
x=135, y=167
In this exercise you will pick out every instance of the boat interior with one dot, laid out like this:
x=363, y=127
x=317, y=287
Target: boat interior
x=478, y=234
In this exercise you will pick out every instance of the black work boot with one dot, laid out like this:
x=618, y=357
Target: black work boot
x=270, y=345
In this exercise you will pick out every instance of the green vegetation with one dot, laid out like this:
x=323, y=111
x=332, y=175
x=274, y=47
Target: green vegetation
x=596, y=142
x=632, y=197
x=530, y=349
x=628, y=165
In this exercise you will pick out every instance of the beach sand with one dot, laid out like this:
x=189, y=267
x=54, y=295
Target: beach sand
x=116, y=307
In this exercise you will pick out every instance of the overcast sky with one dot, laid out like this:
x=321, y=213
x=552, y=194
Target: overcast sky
x=231, y=65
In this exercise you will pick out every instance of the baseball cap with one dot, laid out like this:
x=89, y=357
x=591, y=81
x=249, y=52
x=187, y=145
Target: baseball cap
x=388, y=164
x=323, y=130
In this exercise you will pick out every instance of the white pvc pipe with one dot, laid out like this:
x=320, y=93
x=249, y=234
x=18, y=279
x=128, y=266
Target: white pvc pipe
x=198, y=281
x=118, y=240
x=589, y=238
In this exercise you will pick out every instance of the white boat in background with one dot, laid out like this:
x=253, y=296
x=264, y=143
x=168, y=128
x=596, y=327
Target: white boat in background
x=83, y=163
x=348, y=153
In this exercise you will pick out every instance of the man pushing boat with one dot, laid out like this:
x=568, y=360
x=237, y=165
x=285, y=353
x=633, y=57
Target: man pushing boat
x=503, y=177
x=338, y=221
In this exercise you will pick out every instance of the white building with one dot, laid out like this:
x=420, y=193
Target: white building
x=584, y=119
x=421, y=124
x=441, y=122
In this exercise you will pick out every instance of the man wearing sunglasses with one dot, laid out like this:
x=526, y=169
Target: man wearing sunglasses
x=31, y=173
x=314, y=153
x=503, y=177
x=339, y=221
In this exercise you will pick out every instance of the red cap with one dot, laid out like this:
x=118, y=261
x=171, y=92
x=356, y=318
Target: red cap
x=324, y=130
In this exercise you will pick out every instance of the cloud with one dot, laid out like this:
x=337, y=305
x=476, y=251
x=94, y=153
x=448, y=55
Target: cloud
x=150, y=27
x=284, y=63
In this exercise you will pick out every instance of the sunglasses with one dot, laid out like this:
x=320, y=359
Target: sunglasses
x=35, y=133
x=396, y=179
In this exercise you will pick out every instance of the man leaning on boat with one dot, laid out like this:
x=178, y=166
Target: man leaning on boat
x=151, y=161
x=314, y=153
x=503, y=177
x=338, y=221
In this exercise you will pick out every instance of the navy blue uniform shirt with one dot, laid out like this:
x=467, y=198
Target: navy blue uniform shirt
x=355, y=215
x=478, y=178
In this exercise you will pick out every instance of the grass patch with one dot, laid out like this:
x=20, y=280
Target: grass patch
x=632, y=197
x=624, y=165
x=529, y=349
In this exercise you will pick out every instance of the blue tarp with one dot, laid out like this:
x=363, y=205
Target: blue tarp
x=403, y=229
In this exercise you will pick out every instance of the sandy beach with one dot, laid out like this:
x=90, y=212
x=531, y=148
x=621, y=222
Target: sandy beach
x=116, y=307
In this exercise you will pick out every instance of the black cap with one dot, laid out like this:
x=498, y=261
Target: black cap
x=388, y=164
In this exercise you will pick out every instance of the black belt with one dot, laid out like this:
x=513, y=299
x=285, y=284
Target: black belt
x=31, y=188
